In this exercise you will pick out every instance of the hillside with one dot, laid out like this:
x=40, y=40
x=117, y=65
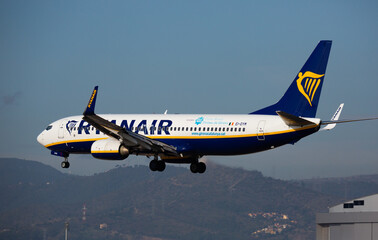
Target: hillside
x=346, y=188
x=134, y=203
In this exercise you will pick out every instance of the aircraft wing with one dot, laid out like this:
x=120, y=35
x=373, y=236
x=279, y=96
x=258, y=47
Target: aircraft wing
x=129, y=139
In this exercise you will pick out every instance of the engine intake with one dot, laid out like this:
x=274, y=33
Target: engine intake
x=109, y=149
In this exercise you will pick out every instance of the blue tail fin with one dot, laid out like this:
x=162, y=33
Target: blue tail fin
x=302, y=97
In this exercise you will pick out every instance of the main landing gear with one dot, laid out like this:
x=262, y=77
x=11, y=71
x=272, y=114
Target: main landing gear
x=157, y=165
x=197, y=167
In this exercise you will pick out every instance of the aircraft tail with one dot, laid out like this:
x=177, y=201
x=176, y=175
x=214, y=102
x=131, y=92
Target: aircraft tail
x=302, y=97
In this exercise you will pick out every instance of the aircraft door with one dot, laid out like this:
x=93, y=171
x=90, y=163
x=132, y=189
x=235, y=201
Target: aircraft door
x=260, y=130
x=61, y=130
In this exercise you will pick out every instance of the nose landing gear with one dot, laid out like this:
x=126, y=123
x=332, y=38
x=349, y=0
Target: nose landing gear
x=65, y=163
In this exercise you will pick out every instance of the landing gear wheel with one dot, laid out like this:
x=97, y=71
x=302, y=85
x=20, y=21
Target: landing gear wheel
x=201, y=167
x=198, y=167
x=65, y=164
x=154, y=165
x=194, y=167
x=161, y=166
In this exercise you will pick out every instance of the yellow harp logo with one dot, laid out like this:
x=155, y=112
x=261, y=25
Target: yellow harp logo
x=308, y=83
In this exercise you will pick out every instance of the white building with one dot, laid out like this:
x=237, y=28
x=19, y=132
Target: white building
x=353, y=220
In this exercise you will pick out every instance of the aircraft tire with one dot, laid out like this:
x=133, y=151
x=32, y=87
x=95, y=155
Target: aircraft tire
x=160, y=166
x=154, y=165
x=201, y=167
x=65, y=164
x=194, y=167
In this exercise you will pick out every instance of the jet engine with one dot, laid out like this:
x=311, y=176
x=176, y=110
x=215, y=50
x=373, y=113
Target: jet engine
x=109, y=149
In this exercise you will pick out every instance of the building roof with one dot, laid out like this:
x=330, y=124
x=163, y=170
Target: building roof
x=363, y=204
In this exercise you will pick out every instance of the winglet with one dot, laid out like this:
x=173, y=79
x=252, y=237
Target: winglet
x=334, y=118
x=92, y=103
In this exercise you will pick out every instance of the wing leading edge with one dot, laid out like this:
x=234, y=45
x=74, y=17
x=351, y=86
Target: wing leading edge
x=131, y=140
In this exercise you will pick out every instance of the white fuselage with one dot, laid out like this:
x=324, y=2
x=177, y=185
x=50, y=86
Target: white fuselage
x=202, y=134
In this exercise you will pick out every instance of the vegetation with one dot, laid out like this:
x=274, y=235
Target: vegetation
x=134, y=203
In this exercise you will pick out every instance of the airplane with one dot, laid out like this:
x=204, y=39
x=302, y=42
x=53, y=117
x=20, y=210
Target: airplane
x=186, y=138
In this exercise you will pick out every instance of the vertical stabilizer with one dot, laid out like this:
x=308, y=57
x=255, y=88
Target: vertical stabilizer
x=302, y=97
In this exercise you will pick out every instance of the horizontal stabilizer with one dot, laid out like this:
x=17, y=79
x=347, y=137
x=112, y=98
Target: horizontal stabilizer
x=347, y=121
x=292, y=120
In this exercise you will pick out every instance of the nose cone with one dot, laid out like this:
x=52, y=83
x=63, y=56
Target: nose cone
x=40, y=139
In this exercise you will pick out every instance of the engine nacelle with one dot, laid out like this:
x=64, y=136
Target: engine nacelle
x=109, y=149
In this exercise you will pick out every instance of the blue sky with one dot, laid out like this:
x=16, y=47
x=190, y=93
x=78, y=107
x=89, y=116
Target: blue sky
x=189, y=57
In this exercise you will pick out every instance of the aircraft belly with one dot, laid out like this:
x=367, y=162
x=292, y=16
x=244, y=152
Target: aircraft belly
x=73, y=147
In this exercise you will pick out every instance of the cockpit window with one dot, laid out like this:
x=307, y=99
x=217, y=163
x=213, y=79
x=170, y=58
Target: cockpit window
x=48, y=127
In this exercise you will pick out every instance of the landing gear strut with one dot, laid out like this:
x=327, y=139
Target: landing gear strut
x=197, y=167
x=157, y=165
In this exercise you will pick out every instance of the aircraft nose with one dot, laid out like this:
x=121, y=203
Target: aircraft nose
x=40, y=138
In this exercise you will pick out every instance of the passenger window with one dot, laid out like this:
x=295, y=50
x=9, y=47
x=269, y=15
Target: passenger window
x=239, y=129
x=215, y=129
x=224, y=129
x=199, y=129
x=195, y=129
x=191, y=128
x=174, y=129
x=187, y=128
x=208, y=129
x=243, y=129
x=227, y=130
x=230, y=129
